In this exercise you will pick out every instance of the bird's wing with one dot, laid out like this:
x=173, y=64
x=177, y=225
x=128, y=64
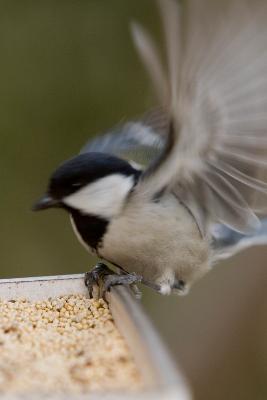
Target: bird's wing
x=139, y=141
x=216, y=100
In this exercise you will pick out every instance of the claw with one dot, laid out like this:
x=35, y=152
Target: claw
x=136, y=291
x=94, y=279
x=103, y=278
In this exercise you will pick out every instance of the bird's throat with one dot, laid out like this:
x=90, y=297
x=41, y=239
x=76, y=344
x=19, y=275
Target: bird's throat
x=89, y=229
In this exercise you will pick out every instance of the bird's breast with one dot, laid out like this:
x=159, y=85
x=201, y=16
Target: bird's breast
x=153, y=238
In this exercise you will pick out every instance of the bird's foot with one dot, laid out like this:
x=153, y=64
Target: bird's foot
x=101, y=279
x=94, y=279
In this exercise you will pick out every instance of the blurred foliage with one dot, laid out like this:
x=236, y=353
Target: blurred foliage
x=69, y=70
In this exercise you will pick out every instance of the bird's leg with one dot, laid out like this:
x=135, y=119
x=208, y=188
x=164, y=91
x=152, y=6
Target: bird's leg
x=152, y=285
x=104, y=278
x=130, y=279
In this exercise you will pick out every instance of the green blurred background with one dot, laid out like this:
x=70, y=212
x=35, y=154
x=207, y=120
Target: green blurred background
x=68, y=70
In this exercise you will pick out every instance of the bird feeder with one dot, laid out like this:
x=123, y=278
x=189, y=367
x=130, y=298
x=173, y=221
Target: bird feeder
x=142, y=356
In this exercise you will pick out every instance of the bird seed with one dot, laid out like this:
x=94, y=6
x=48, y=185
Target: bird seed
x=64, y=344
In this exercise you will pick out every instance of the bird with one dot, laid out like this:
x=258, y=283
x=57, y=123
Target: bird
x=164, y=197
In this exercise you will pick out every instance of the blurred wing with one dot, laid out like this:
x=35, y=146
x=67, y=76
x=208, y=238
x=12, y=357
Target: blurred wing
x=217, y=139
x=138, y=141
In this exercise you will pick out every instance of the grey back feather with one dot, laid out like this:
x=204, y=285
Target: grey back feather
x=139, y=141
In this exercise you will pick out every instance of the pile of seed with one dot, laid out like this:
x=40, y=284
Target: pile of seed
x=65, y=344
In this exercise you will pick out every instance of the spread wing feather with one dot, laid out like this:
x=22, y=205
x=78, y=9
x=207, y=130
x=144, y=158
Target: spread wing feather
x=151, y=59
x=217, y=83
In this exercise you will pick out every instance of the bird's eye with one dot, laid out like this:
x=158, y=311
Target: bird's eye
x=179, y=284
x=76, y=184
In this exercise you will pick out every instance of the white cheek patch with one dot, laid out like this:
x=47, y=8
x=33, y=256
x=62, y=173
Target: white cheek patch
x=104, y=197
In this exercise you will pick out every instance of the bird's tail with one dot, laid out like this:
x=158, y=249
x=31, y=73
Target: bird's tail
x=227, y=242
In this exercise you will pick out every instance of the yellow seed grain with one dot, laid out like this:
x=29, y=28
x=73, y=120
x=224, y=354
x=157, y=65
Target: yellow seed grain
x=71, y=340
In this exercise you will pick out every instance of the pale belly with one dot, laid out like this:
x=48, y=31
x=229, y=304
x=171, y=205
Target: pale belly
x=160, y=241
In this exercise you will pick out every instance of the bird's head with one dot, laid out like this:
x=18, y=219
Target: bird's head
x=94, y=184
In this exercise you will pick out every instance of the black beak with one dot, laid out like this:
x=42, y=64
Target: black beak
x=45, y=202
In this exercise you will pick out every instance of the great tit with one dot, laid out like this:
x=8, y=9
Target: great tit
x=165, y=196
